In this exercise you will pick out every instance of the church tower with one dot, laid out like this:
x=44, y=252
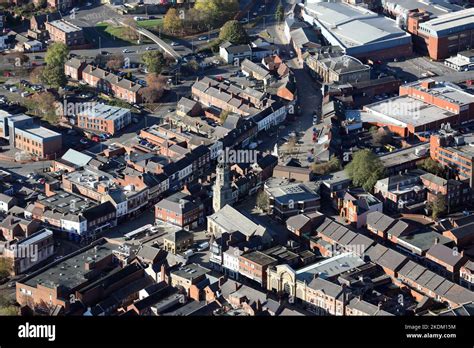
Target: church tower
x=222, y=191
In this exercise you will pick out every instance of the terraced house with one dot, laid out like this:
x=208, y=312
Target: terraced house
x=112, y=84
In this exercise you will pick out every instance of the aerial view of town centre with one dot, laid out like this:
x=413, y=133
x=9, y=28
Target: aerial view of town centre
x=236, y=158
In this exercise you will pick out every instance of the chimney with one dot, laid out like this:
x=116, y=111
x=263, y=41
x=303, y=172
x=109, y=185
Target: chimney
x=436, y=241
x=163, y=273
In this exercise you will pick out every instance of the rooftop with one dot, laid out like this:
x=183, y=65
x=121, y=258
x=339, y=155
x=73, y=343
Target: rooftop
x=404, y=110
x=190, y=272
x=449, y=23
x=353, y=25
x=65, y=26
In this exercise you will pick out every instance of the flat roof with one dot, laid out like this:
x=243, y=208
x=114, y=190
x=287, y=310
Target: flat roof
x=405, y=110
x=435, y=7
x=71, y=271
x=444, y=90
x=105, y=112
x=449, y=23
x=353, y=25
x=330, y=267
x=65, y=26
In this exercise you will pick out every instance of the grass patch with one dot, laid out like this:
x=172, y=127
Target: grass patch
x=150, y=23
x=119, y=33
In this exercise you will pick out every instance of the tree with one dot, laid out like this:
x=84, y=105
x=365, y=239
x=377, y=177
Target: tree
x=380, y=136
x=35, y=74
x=365, y=169
x=115, y=62
x=53, y=74
x=214, y=12
x=233, y=32
x=129, y=30
x=279, y=13
x=154, y=89
x=263, y=201
x=5, y=267
x=333, y=165
x=223, y=116
x=56, y=55
x=433, y=167
x=43, y=105
x=437, y=206
x=172, y=22
x=154, y=61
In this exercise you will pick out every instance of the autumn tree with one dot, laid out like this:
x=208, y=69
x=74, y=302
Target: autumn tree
x=35, y=74
x=333, y=165
x=129, y=30
x=115, y=62
x=154, y=89
x=172, y=21
x=43, y=105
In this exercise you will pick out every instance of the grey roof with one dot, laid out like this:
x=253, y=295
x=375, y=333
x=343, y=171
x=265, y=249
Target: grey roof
x=327, y=287
x=191, y=271
x=422, y=241
x=379, y=221
x=297, y=221
x=76, y=157
x=231, y=220
x=74, y=63
x=256, y=68
x=398, y=228
x=355, y=26
x=366, y=307
x=5, y=198
x=178, y=202
x=391, y=260
x=178, y=236
x=445, y=254
x=149, y=253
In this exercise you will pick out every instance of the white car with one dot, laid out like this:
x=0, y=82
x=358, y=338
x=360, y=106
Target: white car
x=125, y=50
x=149, y=49
x=174, y=44
x=202, y=38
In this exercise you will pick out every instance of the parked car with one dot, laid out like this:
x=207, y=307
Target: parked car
x=125, y=50
x=148, y=48
x=202, y=38
x=174, y=44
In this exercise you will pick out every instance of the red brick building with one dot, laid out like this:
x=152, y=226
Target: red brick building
x=443, y=36
x=112, y=84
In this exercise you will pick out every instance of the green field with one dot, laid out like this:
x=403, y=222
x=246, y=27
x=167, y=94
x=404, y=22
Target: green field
x=150, y=23
x=118, y=33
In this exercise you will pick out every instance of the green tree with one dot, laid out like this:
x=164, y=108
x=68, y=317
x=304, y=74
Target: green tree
x=280, y=13
x=233, y=32
x=365, y=169
x=437, y=206
x=53, y=74
x=215, y=12
x=433, y=167
x=56, y=55
x=5, y=267
x=333, y=165
x=263, y=201
x=154, y=61
x=172, y=22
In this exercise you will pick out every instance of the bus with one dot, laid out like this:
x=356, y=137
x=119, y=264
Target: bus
x=138, y=232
